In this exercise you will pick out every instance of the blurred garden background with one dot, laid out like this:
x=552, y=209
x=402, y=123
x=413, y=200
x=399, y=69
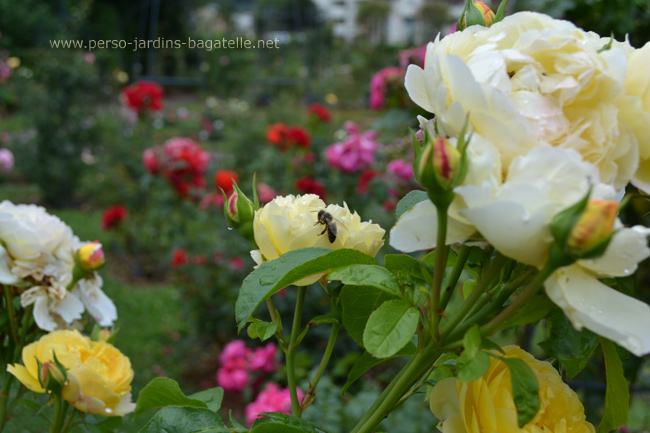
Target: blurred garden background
x=133, y=147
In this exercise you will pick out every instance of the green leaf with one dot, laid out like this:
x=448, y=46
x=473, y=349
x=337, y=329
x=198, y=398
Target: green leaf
x=390, y=327
x=366, y=361
x=262, y=330
x=468, y=288
x=413, y=276
x=278, y=422
x=472, y=341
x=532, y=312
x=322, y=320
x=570, y=347
x=471, y=368
x=617, y=395
x=109, y=424
x=163, y=392
x=211, y=397
x=410, y=200
x=185, y=420
x=368, y=275
x=289, y=268
x=525, y=389
x=358, y=303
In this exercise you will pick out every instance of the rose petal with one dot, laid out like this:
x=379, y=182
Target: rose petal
x=628, y=247
x=589, y=303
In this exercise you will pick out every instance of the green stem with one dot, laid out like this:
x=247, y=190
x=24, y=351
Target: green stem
x=371, y=410
x=403, y=383
x=273, y=312
x=451, y=282
x=493, y=325
x=68, y=421
x=291, y=352
x=438, y=272
x=481, y=287
x=323, y=365
x=10, y=311
x=59, y=414
x=4, y=397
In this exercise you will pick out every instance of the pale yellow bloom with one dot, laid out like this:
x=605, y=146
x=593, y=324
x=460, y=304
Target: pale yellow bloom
x=98, y=375
x=486, y=405
x=290, y=222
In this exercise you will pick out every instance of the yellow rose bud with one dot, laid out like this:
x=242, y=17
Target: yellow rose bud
x=594, y=226
x=98, y=375
x=478, y=13
x=487, y=404
x=290, y=222
x=91, y=256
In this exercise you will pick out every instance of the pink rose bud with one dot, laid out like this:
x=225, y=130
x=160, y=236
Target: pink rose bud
x=91, y=256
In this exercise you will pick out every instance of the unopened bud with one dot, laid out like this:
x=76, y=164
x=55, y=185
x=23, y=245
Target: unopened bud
x=595, y=225
x=437, y=164
x=476, y=13
x=90, y=257
x=52, y=376
x=239, y=209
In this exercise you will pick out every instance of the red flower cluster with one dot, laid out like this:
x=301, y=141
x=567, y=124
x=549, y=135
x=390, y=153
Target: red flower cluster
x=320, y=112
x=365, y=178
x=181, y=161
x=308, y=185
x=114, y=216
x=143, y=95
x=285, y=137
x=223, y=179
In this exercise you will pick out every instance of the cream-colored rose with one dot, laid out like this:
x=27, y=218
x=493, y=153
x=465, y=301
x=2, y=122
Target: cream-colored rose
x=487, y=404
x=99, y=375
x=291, y=222
x=39, y=244
x=531, y=81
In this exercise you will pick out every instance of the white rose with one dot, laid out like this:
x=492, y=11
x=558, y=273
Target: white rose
x=39, y=244
x=532, y=81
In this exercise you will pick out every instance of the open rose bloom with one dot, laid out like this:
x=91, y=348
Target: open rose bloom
x=555, y=113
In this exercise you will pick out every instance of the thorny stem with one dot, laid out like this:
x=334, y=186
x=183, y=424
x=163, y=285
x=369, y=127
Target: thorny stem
x=438, y=272
x=323, y=365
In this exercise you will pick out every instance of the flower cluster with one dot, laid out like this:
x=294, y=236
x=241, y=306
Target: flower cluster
x=114, y=216
x=555, y=114
x=309, y=185
x=356, y=152
x=97, y=378
x=285, y=137
x=181, y=161
x=239, y=363
x=319, y=112
x=470, y=407
x=143, y=96
x=50, y=268
x=223, y=179
x=271, y=399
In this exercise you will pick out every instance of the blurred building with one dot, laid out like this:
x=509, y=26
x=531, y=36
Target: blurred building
x=395, y=22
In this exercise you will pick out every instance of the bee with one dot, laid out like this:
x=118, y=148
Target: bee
x=326, y=219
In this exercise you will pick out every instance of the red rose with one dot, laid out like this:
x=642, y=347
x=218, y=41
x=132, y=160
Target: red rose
x=179, y=258
x=308, y=185
x=276, y=134
x=114, y=216
x=298, y=136
x=319, y=111
x=365, y=178
x=224, y=179
x=143, y=95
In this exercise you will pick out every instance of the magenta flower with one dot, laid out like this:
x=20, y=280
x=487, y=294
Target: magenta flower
x=356, y=152
x=272, y=399
x=6, y=160
x=401, y=169
x=264, y=359
x=380, y=82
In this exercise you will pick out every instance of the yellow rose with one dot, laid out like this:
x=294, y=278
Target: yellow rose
x=291, y=222
x=98, y=375
x=487, y=405
x=530, y=81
